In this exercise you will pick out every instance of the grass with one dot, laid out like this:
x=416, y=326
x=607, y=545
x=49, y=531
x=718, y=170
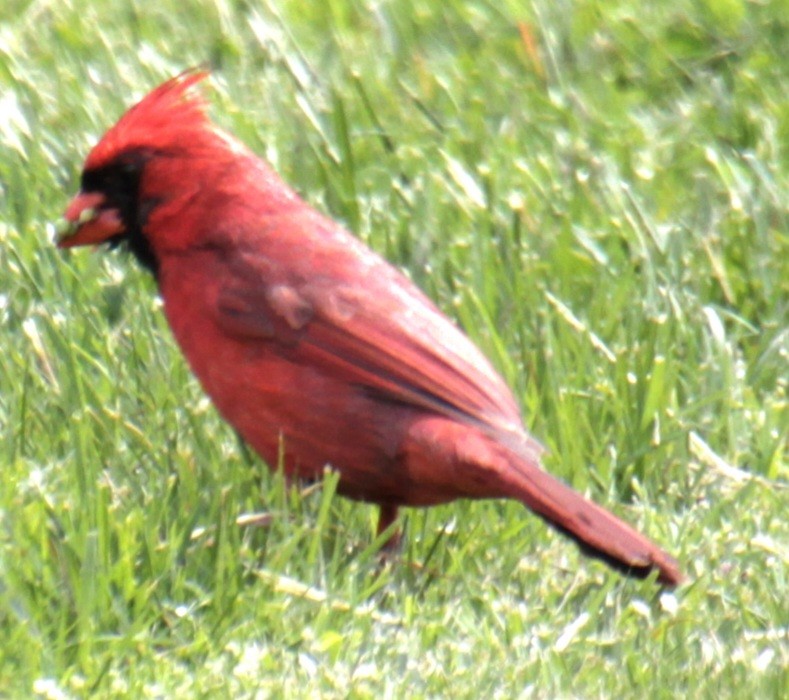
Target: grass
x=596, y=191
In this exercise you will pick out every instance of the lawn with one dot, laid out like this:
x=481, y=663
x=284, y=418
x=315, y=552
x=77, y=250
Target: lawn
x=597, y=193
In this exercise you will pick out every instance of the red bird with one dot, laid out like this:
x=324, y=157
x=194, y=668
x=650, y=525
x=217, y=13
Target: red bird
x=312, y=346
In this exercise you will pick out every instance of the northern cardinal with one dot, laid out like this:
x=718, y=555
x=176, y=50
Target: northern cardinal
x=311, y=345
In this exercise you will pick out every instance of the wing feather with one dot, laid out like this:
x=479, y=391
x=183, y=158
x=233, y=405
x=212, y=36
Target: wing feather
x=355, y=317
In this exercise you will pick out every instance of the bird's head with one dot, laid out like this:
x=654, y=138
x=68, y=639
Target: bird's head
x=148, y=166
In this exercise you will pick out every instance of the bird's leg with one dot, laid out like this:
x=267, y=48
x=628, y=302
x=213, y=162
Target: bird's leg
x=387, y=515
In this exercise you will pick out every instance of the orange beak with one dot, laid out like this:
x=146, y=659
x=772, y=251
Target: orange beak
x=87, y=221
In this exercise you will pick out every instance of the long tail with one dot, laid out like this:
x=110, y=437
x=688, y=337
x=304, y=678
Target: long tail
x=599, y=533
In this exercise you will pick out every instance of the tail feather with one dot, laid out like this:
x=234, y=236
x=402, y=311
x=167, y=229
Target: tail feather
x=599, y=533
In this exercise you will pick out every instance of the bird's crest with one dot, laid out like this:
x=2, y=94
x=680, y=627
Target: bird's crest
x=172, y=114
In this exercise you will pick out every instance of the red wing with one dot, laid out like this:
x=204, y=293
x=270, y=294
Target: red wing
x=379, y=333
